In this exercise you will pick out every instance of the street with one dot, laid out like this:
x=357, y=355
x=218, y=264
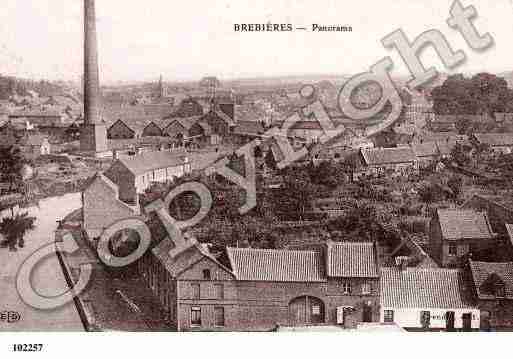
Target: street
x=47, y=279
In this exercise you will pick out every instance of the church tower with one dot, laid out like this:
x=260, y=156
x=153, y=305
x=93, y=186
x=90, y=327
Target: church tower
x=93, y=134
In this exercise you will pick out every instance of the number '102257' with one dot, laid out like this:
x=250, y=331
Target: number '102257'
x=27, y=347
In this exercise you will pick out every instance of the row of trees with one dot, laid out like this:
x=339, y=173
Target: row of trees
x=13, y=226
x=483, y=93
x=10, y=86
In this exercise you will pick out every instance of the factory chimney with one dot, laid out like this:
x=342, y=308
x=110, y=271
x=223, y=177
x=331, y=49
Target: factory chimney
x=93, y=135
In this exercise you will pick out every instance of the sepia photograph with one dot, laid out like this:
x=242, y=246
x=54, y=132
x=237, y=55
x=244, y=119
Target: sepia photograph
x=281, y=167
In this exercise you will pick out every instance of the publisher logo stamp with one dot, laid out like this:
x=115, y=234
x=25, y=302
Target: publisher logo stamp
x=9, y=317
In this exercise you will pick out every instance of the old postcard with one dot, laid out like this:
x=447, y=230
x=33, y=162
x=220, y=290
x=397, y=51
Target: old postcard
x=231, y=166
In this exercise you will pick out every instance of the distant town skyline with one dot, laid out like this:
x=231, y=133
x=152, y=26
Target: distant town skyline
x=138, y=43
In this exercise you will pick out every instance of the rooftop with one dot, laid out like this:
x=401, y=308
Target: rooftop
x=272, y=265
x=464, y=224
x=495, y=139
x=348, y=259
x=482, y=272
x=422, y=288
x=352, y=259
x=378, y=156
x=148, y=161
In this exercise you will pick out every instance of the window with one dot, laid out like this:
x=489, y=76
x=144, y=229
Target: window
x=388, y=316
x=219, y=316
x=346, y=287
x=219, y=291
x=453, y=249
x=195, y=317
x=206, y=274
x=366, y=288
x=195, y=291
x=499, y=290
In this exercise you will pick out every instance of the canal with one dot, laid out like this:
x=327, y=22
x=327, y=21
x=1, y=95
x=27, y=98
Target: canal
x=48, y=278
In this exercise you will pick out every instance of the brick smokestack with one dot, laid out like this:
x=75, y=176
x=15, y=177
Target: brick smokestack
x=93, y=135
x=91, y=75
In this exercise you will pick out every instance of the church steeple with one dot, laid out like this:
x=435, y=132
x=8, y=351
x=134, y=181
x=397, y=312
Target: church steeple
x=162, y=91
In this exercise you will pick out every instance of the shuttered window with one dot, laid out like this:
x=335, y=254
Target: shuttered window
x=388, y=316
x=219, y=291
x=195, y=291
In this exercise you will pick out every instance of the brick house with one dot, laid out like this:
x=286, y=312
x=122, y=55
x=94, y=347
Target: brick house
x=246, y=131
x=39, y=118
x=493, y=290
x=264, y=288
x=179, y=128
x=134, y=174
x=120, y=130
x=426, y=299
x=456, y=233
x=499, y=213
x=220, y=124
x=500, y=216
x=395, y=161
x=152, y=129
x=35, y=145
x=188, y=107
x=101, y=205
x=426, y=152
x=499, y=142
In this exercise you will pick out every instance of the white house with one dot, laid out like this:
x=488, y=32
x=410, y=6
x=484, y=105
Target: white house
x=134, y=174
x=426, y=299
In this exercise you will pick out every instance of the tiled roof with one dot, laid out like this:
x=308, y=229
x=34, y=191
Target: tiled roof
x=185, y=122
x=464, y=223
x=425, y=149
x=452, y=119
x=178, y=258
x=503, y=116
x=136, y=117
x=34, y=140
x=445, y=147
x=35, y=113
x=148, y=161
x=121, y=144
x=225, y=117
x=249, y=127
x=481, y=271
x=421, y=288
x=352, y=259
x=276, y=265
x=378, y=156
x=495, y=139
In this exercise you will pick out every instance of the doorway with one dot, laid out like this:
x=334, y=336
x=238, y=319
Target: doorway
x=467, y=322
x=449, y=321
x=306, y=310
x=367, y=313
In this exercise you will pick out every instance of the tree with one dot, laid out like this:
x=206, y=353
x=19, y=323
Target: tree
x=12, y=163
x=461, y=154
x=14, y=229
x=327, y=174
x=484, y=93
x=455, y=183
x=296, y=194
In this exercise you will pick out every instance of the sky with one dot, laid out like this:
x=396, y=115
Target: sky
x=186, y=40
